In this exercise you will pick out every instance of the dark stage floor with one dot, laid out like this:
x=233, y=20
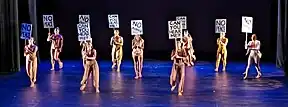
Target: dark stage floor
x=203, y=87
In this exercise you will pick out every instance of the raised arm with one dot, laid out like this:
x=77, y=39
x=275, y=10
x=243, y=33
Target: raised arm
x=49, y=37
x=111, y=41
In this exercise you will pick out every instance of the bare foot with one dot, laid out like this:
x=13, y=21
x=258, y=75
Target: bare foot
x=82, y=87
x=61, y=65
x=259, y=75
x=173, y=88
x=179, y=93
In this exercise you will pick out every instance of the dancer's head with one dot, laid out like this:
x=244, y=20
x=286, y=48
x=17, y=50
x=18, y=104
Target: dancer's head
x=222, y=34
x=186, y=33
x=254, y=37
x=31, y=41
x=89, y=45
x=179, y=45
x=116, y=32
x=56, y=30
x=137, y=37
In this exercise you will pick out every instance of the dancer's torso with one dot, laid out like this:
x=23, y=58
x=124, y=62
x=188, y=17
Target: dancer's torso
x=137, y=50
x=117, y=39
x=31, y=48
x=181, y=53
x=222, y=47
x=90, y=53
x=56, y=41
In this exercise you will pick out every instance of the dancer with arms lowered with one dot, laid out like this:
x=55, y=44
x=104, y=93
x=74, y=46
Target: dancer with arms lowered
x=253, y=52
x=90, y=55
x=137, y=55
x=178, y=56
x=117, y=52
x=221, y=52
x=56, y=40
x=30, y=52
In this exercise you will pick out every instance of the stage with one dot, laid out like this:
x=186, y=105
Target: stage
x=203, y=87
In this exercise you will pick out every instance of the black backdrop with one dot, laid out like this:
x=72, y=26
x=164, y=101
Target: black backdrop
x=155, y=14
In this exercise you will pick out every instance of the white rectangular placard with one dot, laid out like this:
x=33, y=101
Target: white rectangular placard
x=247, y=24
x=84, y=19
x=113, y=20
x=26, y=31
x=183, y=20
x=175, y=29
x=83, y=31
x=136, y=27
x=48, y=21
x=220, y=25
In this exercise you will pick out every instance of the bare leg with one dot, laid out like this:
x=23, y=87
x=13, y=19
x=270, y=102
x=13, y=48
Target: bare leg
x=31, y=73
x=257, y=66
x=34, y=68
x=182, y=79
x=173, y=76
x=218, y=61
x=28, y=67
x=96, y=76
x=119, y=59
x=85, y=75
x=224, y=61
x=140, y=61
x=58, y=59
x=113, y=57
x=135, y=66
x=52, y=59
x=247, y=68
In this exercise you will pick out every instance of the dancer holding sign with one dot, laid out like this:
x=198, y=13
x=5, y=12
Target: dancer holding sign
x=116, y=42
x=221, y=51
x=90, y=63
x=254, y=54
x=137, y=55
x=56, y=40
x=178, y=56
x=30, y=51
x=188, y=46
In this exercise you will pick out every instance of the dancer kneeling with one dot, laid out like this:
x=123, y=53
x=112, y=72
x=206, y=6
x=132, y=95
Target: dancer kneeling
x=254, y=53
x=90, y=63
x=178, y=56
x=137, y=55
x=30, y=51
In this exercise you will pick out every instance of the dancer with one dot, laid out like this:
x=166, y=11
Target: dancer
x=137, y=55
x=90, y=63
x=30, y=52
x=254, y=54
x=221, y=51
x=189, y=48
x=116, y=42
x=56, y=40
x=178, y=56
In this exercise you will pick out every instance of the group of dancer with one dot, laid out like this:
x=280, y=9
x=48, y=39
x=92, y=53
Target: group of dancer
x=182, y=56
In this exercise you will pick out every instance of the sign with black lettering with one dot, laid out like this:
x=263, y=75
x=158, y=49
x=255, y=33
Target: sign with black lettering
x=83, y=31
x=113, y=21
x=175, y=29
x=48, y=21
x=136, y=27
x=84, y=19
x=220, y=25
x=26, y=31
x=183, y=20
x=247, y=24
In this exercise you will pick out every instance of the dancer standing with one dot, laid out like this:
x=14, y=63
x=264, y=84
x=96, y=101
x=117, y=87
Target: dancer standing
x=221, y=51
x=30, y=52
x=56, y=40
x=178, y=56
x=189, y=48
x=254, y=54
x=137, y=55
x=116, y=42
x=90, y=63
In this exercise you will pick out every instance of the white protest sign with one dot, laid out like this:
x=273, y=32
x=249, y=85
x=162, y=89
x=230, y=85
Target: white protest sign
x=247, y=24
x=183, y=20
x=175, y=29
x=83, y=31
x=136, y=27
x=26, y=31
x=48, y=21
x=220, y=25
x=84, y=19
x=113, y=20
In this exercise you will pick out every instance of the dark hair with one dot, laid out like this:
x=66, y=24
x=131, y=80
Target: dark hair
x=57, y=28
